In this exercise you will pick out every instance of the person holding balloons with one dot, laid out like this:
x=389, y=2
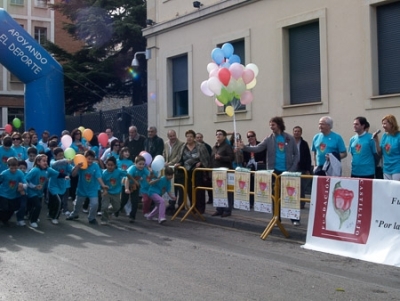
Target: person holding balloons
x=77, y=142
x=89, y=178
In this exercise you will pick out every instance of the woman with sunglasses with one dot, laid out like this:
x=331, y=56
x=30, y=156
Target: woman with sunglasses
x=113, y=151
x=77, y=144
x=20, y=151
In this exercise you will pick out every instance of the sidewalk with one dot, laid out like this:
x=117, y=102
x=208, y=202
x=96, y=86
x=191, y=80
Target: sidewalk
x=255, y=222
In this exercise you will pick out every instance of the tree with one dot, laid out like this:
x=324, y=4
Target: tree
x=112, y=32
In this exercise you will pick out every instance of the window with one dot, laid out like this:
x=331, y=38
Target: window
x=41, y=35
x=180, y=103
x=304, y=64
x=15, y=113
x=41, y=3
x=238, y=47
x=388, y=42
x=17, y=2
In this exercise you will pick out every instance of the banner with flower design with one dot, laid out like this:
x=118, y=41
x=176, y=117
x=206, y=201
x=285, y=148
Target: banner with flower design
x=290, y=195
x=263, y=191
x=219, y=185
x=242, y=190
x=357, y=218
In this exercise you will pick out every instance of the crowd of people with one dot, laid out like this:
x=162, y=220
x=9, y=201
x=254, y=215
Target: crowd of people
x=119, y=175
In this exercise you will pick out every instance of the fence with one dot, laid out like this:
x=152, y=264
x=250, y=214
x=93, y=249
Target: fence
x=118, y=120
x=276, y=199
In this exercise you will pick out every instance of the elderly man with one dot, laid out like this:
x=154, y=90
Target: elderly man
x=134, y=142
x=172, y=154
x=326, y=143
x=153, y=144
x=110, y=135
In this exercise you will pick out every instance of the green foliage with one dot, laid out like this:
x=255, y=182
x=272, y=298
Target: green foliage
x=111, y=32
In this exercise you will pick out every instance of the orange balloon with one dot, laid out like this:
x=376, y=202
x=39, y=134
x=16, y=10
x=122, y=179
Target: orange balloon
x=87, y=134
x=81, y=159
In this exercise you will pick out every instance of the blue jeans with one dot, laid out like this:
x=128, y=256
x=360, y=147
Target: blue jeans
x=93, y=205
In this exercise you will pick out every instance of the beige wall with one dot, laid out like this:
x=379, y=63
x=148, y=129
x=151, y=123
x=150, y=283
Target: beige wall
x=348, y=63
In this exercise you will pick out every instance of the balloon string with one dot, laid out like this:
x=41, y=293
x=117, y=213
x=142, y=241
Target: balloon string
x=234, y=133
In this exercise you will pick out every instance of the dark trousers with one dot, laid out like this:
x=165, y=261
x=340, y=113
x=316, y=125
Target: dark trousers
x=34, y=207
x=134, y=201
x=9, y=206
x=55, y=205
x=228, y=209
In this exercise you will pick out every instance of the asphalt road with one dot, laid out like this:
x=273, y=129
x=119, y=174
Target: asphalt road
x=177, y=261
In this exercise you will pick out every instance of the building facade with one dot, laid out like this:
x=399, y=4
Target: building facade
x=43, y=24
x=315, y=58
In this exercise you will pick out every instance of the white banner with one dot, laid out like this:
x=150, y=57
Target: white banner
x=219, y=184
x=356, y=218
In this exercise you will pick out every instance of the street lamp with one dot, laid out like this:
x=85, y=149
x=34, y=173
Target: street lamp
x=147, y=53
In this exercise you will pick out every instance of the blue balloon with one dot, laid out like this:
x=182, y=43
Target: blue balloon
x=234, y=59
x=217, y=55
x=227, y=48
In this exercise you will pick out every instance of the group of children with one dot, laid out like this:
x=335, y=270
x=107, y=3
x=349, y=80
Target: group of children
x=22, y=192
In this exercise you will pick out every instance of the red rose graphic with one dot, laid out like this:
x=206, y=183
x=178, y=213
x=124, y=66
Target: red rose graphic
x=113, y=182
x=322, y=147
x=4, y=159
x=290, y=190
x=242, y=184
x=358, y=148
x=281, y=146
x=124, y=167
x=263, y=186
x=342, y=199
x=88, y=177
x=387, y=148
x=12, y=184
x=42, y=180
x=220, y=182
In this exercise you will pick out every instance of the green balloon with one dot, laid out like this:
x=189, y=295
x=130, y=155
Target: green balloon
x=225, y=97
x=16, y=123
x=69, y=153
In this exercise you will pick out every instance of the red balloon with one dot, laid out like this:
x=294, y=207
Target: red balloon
x=224, y=76
x=103, y=139
x=8, y=128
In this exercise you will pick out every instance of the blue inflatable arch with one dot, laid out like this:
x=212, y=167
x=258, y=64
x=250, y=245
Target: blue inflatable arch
x=42, y=75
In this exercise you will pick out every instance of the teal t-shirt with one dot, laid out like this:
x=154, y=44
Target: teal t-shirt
x=362, y=149
x=327, y=144
x=280, y=154
x=390, y=145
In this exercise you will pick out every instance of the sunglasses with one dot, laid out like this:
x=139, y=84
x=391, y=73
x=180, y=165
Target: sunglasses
x=116, y=145
x=252, y=136
x=16, y=139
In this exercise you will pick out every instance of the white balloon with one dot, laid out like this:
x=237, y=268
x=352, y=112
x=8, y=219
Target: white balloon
x=211, y=66
x=158, y=163
x=253, y=67
x=205, y=90
x=214, y=85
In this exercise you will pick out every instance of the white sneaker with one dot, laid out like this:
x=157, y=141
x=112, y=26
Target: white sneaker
x=162, y=220
x=67, y=213
x=85, y=211
x=146, y=215
x=21, y=223
x=99, y=213
x=34, y=225
x=54, y=221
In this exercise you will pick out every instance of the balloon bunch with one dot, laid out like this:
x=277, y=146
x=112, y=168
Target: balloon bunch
x=229, y=79
x=8, y=128
x=157, y=164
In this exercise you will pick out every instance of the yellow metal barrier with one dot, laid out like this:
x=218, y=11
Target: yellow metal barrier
x=276, y=199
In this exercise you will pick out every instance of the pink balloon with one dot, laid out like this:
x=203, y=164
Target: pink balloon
x=205, y=90
x=219, y=103
x=246, y=97
x=247, y=76
x=224, y=76
x=8, y=128
x=147, y=157
x=103, y=139
x=66, y=141
x=213, y=73
x=236, y=70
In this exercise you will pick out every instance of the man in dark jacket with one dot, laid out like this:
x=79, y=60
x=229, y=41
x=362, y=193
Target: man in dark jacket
x=154, y=145
x=135, y=142
x=222, y=156
x=304, y=165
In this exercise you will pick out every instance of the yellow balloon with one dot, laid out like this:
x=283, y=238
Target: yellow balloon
x=229, y=111
x=81, y=128
x=251, y=84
